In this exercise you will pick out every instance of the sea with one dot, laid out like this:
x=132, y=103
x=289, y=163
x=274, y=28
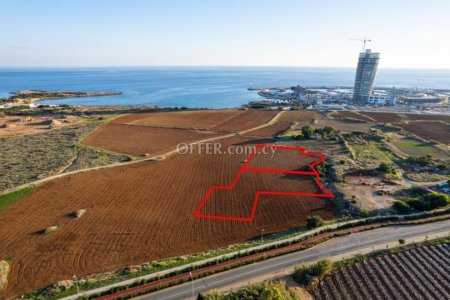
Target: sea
x=196, y=87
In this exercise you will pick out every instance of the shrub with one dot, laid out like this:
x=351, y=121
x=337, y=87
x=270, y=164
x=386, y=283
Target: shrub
x=314, y=222
x=264, y=291
x=319, y=269
x=436, y=200
x=386, y=168
x=417, y=191
x=424, y=161
x=401, y=207
x=307, y=131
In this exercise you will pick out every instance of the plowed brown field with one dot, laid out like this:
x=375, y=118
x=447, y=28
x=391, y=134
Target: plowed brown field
x=239, y=201
x=135, y=213
x=350, y=114
x=225, y=120
x=416, y=117
x=436, y=131
x=142, y=140
x=383, y=117
x=305, y=116
x=272, y=130
x=281, y=159
x=155, y=133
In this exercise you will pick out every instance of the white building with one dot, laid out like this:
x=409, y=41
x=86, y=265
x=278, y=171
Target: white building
x=381, y=99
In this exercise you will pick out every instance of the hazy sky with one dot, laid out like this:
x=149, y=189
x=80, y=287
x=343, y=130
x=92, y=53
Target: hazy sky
x=408, y=33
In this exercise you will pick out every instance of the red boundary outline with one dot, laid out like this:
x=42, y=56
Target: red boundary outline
x=303, y=152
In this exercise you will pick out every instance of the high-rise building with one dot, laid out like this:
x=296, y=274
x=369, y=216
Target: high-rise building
x=365, y=76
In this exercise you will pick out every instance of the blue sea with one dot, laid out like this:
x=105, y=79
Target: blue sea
x=211, y=87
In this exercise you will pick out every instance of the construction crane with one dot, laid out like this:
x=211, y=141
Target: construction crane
x=364, y=40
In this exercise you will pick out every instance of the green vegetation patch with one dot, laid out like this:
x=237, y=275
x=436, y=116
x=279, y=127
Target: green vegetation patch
x=317, y=271
x=87, y=157
x=425, y=177
x=308, y=132
x=370, y=154
x=9, y=199
x=417, y=198
x=32, y=157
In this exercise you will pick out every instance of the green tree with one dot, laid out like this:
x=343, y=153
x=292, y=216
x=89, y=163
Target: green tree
x=417, y=191
x=401, y=207
x=271, y=293
x=307, y=131
x=327, y=131
x=424, y=161
x=436, y=200
x=313, y=222
x=320, y=269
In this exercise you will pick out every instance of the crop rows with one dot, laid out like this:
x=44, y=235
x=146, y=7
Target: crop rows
x=421, y=273
x=140, y=213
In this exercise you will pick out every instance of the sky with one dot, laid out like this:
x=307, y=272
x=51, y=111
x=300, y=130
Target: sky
x=57, y=33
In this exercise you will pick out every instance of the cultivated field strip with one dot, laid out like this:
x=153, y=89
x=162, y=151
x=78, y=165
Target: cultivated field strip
x=421, y=273
x=301, y=116
x=135, y=214
x=272, y=130
x=429, y=130
x=227, y=120
x=156, y=133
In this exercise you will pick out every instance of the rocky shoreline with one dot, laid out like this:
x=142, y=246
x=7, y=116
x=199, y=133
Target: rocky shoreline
x=29, y=96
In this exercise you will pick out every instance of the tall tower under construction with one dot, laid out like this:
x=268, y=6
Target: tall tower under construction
x=365, y=76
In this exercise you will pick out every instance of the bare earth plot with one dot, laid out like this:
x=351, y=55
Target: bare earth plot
x=422, y=117
x=302, y=116
x=383, y=117
x=14, y=126
x=135, y=213
x=142, y=140
x=272, y=130
x=341, y=114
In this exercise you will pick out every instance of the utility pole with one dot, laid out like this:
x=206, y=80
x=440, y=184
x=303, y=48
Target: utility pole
x=262, y=236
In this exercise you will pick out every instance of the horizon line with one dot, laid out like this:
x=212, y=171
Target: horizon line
x=213, y=66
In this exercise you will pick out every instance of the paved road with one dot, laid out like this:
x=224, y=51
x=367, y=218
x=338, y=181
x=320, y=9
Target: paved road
x=338, y=246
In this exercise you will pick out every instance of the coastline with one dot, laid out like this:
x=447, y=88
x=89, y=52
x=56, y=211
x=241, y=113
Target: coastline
x=28, y=97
